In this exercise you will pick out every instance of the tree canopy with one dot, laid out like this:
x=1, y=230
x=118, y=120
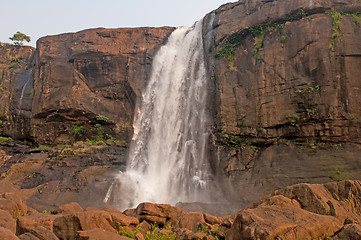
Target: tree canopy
x=18, y=38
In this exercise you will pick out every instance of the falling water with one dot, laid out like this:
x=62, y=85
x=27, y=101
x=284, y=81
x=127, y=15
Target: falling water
x=167, y=161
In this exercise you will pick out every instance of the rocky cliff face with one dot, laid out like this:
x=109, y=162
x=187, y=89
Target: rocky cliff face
x=82, y=77
x=287, y=85
x=15, y=91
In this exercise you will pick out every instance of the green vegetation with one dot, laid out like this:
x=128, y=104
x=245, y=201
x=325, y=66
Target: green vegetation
x=356, y=17
x=258, y=33
x=3, y=90
x=43, y=146
x=66, y=154
x=241, y=121
x=102, y=119
x=293, y=119
x=18, y=38
x=125, y=231
x=77, y=132
x=3, y=175
x=228, y=47
x=15, y=62
x=233, y=141
x=283, y=39
x=203, y=228
x=336, y=22
x=5, y=140
x=156, y=234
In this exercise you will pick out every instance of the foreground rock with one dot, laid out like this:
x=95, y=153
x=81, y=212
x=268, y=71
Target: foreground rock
x=303, y=211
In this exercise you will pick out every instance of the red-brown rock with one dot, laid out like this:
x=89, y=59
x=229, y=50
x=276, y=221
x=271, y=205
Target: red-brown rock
x=7, y=221
x=6, y=234
x=97, y=72
x=30, y=222
x=43, y=233
x=301, y=211
x=14, y=205
x=100, y=234
x=299, y=85
x=28, y=236
x=189, y=220
x=69, y=208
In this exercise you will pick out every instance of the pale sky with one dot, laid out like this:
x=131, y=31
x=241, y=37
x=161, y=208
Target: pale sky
x=38, y=18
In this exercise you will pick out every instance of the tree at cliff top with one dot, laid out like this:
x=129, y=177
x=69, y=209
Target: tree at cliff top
x=18, y=38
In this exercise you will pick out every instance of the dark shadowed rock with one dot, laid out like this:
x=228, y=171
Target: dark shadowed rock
x=349, y=232
x=66, y=227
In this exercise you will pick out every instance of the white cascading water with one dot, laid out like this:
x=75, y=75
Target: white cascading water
x=167, y=161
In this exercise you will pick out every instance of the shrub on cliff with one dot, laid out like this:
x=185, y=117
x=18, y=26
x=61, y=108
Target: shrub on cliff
x=18, y=38
x=77, y=132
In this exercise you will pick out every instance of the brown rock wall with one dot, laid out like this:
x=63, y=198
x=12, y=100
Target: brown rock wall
x=286, y=92
x=92, y=73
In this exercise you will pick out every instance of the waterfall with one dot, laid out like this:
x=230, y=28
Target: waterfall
x=167, y=161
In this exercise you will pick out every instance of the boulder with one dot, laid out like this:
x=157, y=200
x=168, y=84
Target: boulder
x=95, y=219
x=6, y=234
x=30, y=222
x=349, y=232
x=118, y=218
x=7, y=221
x=66, y=227
x=100, y=234
x=212, y=219
x=159, y=210
x=272, y=221
x=302, y=211
x=69, y=208
x=43, y=233
x=189, y=220
x=28, y=236
x=185, y=234
x=154, y=213
x=14, y=205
